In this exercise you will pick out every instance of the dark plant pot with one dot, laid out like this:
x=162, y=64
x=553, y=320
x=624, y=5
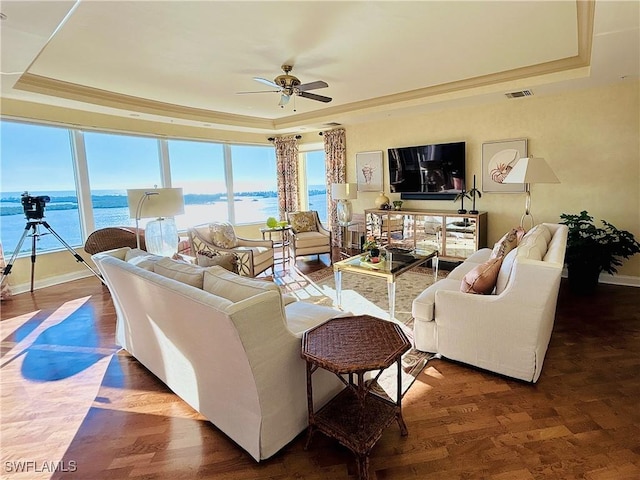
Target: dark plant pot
x=583, y=278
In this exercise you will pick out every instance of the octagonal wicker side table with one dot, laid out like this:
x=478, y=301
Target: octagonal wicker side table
x=350, y=347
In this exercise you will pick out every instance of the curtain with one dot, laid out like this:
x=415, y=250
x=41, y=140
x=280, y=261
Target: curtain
x=335, y=150
x=287, y=171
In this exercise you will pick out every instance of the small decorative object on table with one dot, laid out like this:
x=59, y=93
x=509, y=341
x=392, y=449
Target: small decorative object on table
x=473, y=192
x=397, y=204
x=381, y=201
x=461, y=196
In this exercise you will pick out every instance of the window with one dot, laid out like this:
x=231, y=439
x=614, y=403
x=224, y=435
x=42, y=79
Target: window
x=116, y=163
x=37, y=159
x=60, y=162
x=255, y=188
x=316, y=180
x=198, y=168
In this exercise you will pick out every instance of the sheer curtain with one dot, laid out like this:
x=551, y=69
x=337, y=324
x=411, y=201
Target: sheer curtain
x=335, y=150
x=287, y=167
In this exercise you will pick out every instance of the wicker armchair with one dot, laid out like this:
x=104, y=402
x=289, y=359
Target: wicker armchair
x=253, y=256
x=109, y=238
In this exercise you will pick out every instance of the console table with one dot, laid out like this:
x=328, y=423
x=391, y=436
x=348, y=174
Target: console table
x=352, y=346
x=455, y=235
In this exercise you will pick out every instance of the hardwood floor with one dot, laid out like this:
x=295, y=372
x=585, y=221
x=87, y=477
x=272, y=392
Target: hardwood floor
x=73, y=403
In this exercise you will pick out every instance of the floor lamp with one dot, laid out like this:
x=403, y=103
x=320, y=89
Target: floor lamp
x=343, y=192
x=530, y=170
x=161, y=234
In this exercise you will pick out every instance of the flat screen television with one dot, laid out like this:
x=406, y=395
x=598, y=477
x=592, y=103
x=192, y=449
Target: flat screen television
x=427, y=172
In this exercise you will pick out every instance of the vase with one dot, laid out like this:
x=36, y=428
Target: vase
x=381, y=200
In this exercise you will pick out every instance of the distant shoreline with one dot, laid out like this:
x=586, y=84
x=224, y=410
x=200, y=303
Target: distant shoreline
x=10, y=203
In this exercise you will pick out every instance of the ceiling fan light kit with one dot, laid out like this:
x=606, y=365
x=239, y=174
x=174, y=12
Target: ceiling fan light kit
x=288, y=85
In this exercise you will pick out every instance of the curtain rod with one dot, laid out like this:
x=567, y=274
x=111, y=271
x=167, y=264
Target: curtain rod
x=272, y=139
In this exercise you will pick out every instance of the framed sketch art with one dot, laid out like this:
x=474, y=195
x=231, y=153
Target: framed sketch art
x=369, y=171
x=498, y=158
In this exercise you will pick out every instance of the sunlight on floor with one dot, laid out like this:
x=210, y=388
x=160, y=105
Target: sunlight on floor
x=59, y=411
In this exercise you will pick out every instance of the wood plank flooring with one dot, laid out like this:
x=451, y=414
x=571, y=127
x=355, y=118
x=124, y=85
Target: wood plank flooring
x=74, y=407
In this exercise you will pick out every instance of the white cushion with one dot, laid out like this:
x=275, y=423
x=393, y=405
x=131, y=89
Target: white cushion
x=535, y=243
x=234, y=287
x=505, y=271
x=142, y=259
x=180, y=271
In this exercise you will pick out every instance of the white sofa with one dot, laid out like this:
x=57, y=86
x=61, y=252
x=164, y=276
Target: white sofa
x=507, y=331
x=233, y=356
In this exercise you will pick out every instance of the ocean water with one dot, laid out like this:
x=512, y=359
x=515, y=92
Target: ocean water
x=66, y=223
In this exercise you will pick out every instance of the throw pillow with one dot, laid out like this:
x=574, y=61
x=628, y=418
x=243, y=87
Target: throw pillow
x=303, y=222
x=508, y=242
x=534, y=244
x=481, y=280
x=180, y=271
x=233, y=287
x=228, y=261
x=223, y=235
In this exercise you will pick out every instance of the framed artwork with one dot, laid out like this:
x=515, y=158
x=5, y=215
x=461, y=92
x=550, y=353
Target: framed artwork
x=498, y=158
x=369, y=171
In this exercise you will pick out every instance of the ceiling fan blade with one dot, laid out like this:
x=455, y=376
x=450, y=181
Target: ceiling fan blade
x=284, y=99
x=313, y=96
x=259, y=91
x=266, y=82
x=312, y=85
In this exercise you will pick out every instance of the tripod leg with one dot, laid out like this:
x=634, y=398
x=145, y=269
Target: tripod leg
x=34, y=238
x=7, y=268
x=71, y=250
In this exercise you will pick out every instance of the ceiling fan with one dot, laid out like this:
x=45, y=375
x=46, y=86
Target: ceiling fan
x=288, y=85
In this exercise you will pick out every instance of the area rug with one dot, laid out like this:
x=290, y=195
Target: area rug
x=362, y=294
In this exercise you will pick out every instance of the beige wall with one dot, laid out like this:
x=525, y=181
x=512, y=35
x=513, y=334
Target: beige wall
x=590, y=138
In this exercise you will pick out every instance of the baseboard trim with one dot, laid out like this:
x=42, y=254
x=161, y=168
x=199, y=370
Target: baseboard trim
x=50, y=281
x=607, y=278
x=624, y=280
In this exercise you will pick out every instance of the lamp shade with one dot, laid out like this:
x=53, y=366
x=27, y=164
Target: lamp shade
x=156, y=202
x=344, y=191
x=161, y=235
x=531, y=170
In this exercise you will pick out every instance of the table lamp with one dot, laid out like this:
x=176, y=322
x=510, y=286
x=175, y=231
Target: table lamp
x=343, y=192
x=161, y=234
x=530, y=170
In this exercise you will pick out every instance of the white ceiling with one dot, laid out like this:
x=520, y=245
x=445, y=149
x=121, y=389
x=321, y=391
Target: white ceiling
x=185, y=61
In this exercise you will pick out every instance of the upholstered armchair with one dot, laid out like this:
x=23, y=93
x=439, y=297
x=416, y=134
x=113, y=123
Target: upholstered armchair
x=253, y=256
x=308, y=235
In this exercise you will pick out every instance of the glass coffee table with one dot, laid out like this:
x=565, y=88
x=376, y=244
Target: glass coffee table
x=397, y=262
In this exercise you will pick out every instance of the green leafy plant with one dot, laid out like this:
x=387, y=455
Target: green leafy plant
x=601, y=247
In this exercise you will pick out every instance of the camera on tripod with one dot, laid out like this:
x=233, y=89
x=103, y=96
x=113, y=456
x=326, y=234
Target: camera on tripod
x=34, y=206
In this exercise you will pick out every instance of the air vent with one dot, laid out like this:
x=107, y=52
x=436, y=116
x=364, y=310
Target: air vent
x=522, y=93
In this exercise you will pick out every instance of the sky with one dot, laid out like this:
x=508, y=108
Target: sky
x=38, y=159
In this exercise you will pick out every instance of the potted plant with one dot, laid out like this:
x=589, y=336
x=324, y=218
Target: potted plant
x=592, y=250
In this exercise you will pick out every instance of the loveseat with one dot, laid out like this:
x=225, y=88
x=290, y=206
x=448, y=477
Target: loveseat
x=507, y=329
x=228, y=345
